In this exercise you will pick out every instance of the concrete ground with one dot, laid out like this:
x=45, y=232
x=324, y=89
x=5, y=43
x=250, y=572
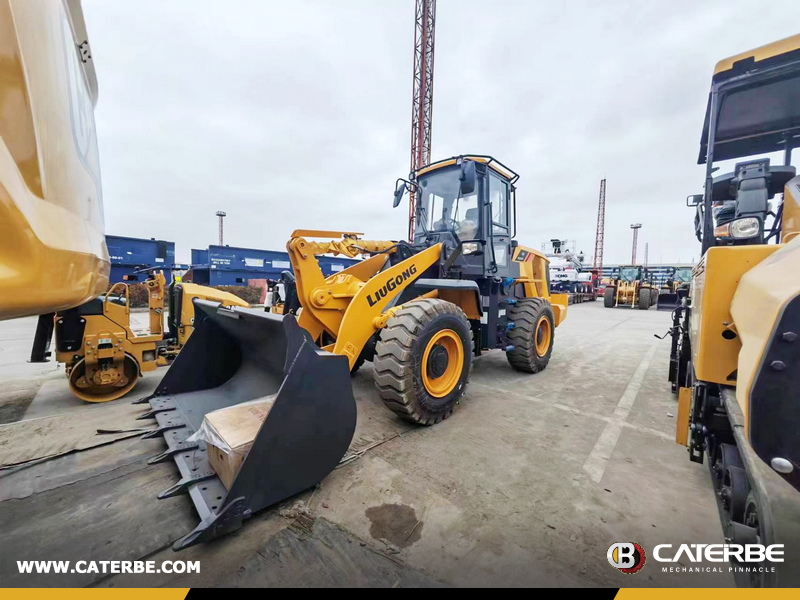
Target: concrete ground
x=528, y=484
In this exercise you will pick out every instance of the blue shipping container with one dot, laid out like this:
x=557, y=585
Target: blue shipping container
x=131, y=254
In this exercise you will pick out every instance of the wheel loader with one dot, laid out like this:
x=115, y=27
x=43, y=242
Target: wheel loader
x=631, y=286
x=421, y=311
x=735, y=358
x=675, y=288
x=103, y=353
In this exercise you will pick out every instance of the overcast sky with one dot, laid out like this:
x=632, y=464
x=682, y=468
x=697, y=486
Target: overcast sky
x=297, y=114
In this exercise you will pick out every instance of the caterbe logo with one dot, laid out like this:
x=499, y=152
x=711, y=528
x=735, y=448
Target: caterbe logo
x=391, y=285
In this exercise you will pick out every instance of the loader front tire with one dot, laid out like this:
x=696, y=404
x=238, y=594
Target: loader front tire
x=608, y=297
x=644, y=299
x=423, y=360
x=532, y=336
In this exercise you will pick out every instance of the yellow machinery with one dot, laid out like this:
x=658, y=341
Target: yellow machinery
x=631, y=286
x=53, y=253
x=421, y=311
x=735, y=360
x=675, y=288
x=104, y=355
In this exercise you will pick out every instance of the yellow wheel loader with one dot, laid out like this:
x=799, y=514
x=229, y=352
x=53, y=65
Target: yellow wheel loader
x=53, y=253
x=104, y=354
x=420, y=311
x=735, y=360
x=631, y=286
x=675, y=288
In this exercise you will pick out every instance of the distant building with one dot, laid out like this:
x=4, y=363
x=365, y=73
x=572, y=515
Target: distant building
x=129, y=255
x=229, y=265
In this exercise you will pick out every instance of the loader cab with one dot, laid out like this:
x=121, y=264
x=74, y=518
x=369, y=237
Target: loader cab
x=682, y=275
x=468, y=204
x=753, y=109
x=630, y=274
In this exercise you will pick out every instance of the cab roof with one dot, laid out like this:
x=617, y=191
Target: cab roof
x=757, y=55
x=494, y=164
x=759, y=101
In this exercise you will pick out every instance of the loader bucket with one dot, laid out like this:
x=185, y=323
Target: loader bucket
x=667, y=301
x=670, y=301
x=236, y=355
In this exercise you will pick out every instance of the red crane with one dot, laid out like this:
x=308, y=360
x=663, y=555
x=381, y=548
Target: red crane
x=422, y=108
x=601, y=227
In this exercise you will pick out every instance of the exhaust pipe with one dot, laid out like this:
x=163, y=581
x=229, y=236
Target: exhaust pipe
x=236, y=355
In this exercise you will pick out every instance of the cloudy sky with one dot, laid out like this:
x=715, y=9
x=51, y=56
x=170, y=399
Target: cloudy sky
x=297, y=114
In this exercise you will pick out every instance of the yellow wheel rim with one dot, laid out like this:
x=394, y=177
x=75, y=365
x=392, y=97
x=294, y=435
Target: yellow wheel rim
x=542, y=336
x=442, y=363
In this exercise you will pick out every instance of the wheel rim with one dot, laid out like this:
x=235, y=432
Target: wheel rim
x=542, y=336
x=442, y=363
x=89, y=391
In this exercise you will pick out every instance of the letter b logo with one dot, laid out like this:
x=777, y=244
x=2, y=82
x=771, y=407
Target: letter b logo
x=626, y=556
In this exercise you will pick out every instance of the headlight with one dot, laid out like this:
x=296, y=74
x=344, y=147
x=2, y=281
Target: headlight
x=471, y=247
x=740, y=229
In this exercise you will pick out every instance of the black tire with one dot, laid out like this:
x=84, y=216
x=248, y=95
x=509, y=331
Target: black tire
x=400, y=352
x=734, y=492
x=609, y=297
x=644, y=301
x=532, y=349
x=653, y=297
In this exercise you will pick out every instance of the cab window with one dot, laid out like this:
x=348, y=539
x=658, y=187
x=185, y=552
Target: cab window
x=498, y=196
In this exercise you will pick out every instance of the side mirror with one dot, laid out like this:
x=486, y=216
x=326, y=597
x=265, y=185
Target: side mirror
x=398, y=195
x=694, y=199
x=467, y=177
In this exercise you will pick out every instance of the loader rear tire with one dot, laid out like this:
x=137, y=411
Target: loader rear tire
x=532, y=336
x=608, y=297
x=423, y=360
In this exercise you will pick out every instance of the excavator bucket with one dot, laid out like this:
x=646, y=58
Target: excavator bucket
x=236, y=355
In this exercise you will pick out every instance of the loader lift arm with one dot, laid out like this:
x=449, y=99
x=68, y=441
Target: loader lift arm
x=341, y=312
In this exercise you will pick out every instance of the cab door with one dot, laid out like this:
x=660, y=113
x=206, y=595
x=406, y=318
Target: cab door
x=498, y=210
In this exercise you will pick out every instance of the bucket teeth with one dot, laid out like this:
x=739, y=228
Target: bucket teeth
x=161, y=430
x=150, y=414
x=144, y=400
x=183, y=485
x=227, y=519
x=167, y=454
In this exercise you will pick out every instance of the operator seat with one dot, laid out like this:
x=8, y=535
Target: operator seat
x=468, y=228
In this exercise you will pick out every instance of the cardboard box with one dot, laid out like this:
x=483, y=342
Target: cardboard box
x=235, y=427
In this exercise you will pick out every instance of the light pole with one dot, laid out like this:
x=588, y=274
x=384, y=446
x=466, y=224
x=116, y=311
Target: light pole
x=221, y=216
x=636, y=227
